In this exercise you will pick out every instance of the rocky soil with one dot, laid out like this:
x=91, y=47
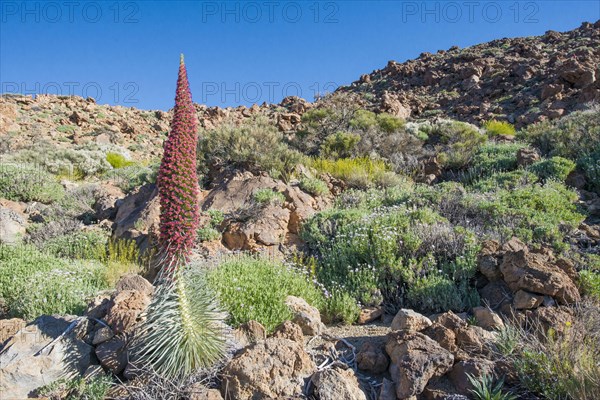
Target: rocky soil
x=521, y=80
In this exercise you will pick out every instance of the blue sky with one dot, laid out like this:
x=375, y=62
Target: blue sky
x=127, y=52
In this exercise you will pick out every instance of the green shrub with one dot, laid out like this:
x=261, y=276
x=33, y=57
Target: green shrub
x=78, y=389
x=33, y=283
x=379, y=254
x=340, y=306
x=73, y=163
x=505, y=180
x=457, y=142
x=81, y=245
x=339, y=145
x=494, y=157
x=314, y=186
x=117, y=160
x=562, y=362
x=435, y=293
x=537, y=213
x=389, y=123
x=589, y=283
x=132, y=175
x=26, y=182
x=256, y=144
x=363, y=120
x=496, y=128
x=208, y=233
x=557, y=168
x=268, y=196
x=576, y=137
x=357, y=172
x=252, y=288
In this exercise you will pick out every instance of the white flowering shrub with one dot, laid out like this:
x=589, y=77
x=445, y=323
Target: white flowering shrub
x=33, y=283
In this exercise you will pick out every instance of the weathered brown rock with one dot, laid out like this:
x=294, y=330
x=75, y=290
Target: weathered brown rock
x=474, y=367
x=274, y=368
x=537, y=273
x=31, y=358
x=305, y=315
x=289, y=330
x=371, y=358
x=134, y=282
x=124, y=310
x=113, y=354
x=416, y=359
x=450, y=321
x=525, y=300
x=487, y=319
x=369, y=314
x=8, y=327
x=443, y=336
x=338, y=382
x=409, y=320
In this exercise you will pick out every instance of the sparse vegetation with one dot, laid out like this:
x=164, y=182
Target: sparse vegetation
x=497, y=128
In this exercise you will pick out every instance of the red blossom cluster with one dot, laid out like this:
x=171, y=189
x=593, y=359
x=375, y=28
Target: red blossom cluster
x=177, y=180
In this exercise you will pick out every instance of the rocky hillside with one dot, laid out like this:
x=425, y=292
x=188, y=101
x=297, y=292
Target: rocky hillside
x=522, y=80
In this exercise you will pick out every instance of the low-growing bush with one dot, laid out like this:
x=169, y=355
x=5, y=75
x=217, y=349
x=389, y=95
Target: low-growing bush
x=78, y=389
x=382, y=254
x=252, y=288
x=131, y=175
x=357, y=172
x=268, y=196
x=117, y=160
x=496, y=128
x=493, y=157
x=456, y=141
x=562, y=362
x=314, y=186
x=81, y=245
x=26, y=182
x=556, y=168
x=255, y=144
x=339, y=145
x=505, y=180
x=589, y=283
x=33, y=283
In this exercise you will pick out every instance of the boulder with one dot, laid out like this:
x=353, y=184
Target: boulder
x=289, y=330
x=487, y=260
x=102, y=335
x=371, y=358
x=113, y=354
x=409, y=320
x=305, y=315
x=32, y=358
x=415, y=359
x=9, y=327
x=134, y=282
x=487, y=319
x=537, y=273
x=369, y=314
x=124, y=309
x=12, y=226
x=450, y=321
x=474, y=367
x=105, y=205
x=525, y=300
x=388, y=390
x=443, y=336
x=474, y=339
x=274, y=368
x=338, y=382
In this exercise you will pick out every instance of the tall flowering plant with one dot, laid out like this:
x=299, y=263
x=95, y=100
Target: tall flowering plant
x=178, y=182
x=183, y=329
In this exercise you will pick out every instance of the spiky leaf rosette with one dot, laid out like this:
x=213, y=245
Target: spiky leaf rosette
x=183, y=330
x=177, y=180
